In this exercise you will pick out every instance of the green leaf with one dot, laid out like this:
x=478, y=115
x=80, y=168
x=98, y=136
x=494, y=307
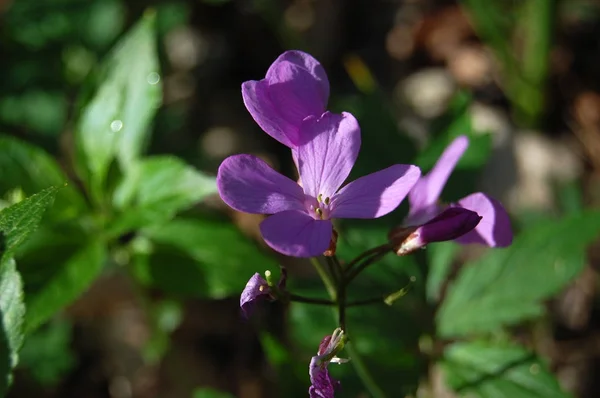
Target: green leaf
x=47, y=353
x=155, y=189
x=440, y=256
x=226, y=258
x=488, y=371
x=507, y=286
x=12, y=311
x=31, y=169
x=17, y=222
x=66, y=283
x=114, y=121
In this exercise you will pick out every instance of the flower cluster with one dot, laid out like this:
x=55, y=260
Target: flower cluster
x=290, y=105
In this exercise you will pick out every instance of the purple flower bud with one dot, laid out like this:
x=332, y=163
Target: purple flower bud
x=259, y=288
x=322, y=385
x=450, y=224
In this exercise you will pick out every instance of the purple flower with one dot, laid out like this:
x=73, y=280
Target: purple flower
x=294, y=88
x=493, y=230
x=301, y=222
x=322, y=385
x=259, y=288
x=449, y=224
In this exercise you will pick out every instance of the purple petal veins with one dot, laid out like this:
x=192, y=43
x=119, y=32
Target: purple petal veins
x=258, y=289
x=301, y=222
x=494, y=228
x=294, y=88
x=255, y=289
x=322, y=384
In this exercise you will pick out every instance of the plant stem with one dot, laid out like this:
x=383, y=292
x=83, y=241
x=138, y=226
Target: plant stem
x=361, y=370
x=364, y=265
x=374, y=251
x=300, y=299
x=332, y=269
x=363, y=373
x=373, y=300
x=341, y=296
x=326, y=278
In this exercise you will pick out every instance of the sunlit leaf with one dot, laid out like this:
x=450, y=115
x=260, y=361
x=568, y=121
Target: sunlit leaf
x=114, y=121
x=480, y=369
x=19, y=221
x=12, y=310
x=31, y=169
x=508, y=285
x=156, y=188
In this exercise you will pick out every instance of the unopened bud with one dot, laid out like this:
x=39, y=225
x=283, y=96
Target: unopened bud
x=450, y=224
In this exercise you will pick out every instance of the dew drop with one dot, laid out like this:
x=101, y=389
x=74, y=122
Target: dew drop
x=153, y=78
x=116, y=126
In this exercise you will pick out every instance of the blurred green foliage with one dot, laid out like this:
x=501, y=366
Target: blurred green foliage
x=115, y=209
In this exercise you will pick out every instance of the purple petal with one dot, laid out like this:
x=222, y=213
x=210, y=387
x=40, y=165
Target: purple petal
x=280, y=102
x=450, y=224
x=248, y=184
x=255, y=288
x=266, y=114
x=494, y=230
x=322, y=385
x=296, y=234
x=376, y=194
x=333, y=142
x=310, y=64
x=424, y=196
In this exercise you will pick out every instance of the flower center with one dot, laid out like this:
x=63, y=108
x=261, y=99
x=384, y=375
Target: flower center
x=318, y=208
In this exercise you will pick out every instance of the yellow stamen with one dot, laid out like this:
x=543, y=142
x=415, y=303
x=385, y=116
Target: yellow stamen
x=327, y=200
x=319, y=212
x=320, y=198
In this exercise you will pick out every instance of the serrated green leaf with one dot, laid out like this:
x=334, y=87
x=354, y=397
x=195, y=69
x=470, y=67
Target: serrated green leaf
x=497, y=371
x=12, y=310
x=115, y=120
x=17, y=222
x=226, y=257
x=507, y=286
x=440, y=256
x=31, y=169
x=66, y=283
x=155, y=189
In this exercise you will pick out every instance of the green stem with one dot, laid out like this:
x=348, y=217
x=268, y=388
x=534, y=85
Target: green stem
x=326, y=278
x=363, y=372
x=374, y=251
x=357, y=362
x=308, y=300
x=364, y=265
x=373, y=300
x=331, y=267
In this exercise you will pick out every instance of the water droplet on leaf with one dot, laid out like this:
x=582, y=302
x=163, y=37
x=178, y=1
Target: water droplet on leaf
x=116, y=126
x=153, y=78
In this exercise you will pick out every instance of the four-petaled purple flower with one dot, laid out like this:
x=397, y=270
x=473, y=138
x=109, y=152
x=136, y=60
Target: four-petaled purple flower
x=259, y=288
x=301, y=222
x=321, y=383
x=294, y=88
x=493, y=229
